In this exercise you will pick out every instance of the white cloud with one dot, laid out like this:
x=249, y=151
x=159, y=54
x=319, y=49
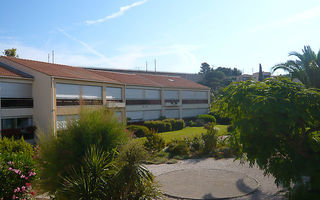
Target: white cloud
x=299, y=17
x=121, y=11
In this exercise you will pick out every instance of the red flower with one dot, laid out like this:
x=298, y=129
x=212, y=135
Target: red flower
x=32, y=193
x=28, y=184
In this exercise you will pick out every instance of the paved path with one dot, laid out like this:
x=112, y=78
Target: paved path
x=266, y=190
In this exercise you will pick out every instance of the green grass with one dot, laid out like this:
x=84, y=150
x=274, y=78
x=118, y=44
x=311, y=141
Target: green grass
x=188, y=132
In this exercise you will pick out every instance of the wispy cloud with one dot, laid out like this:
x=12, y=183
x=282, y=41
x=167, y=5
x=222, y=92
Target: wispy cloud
x=122, y=10
x=299, y=17
x=84, y=44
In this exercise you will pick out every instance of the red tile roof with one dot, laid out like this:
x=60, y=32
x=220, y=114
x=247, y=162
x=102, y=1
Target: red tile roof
x=5, y=72
x=63, y=71
x=151, y=80
x=128, y=79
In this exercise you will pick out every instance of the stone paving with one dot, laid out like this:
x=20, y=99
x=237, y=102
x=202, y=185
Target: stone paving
x=214, y=179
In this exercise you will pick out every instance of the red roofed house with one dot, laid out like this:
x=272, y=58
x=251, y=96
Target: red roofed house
x=47, y=94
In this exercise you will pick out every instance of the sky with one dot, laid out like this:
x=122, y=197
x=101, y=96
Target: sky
x=178, y=34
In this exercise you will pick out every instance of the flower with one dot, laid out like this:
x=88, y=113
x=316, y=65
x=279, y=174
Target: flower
x=32, y=193
x=22, y=176
x=14, y=197
x=10, y=163
x=10, y=168
x=28, y=184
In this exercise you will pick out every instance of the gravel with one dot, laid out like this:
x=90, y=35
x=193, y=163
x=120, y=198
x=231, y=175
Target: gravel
x=267, y=188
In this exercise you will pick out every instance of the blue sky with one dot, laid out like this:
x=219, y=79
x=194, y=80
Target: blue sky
x=179, y=34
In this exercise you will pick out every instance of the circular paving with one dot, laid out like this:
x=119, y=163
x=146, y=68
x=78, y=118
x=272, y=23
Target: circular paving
x=206, y=184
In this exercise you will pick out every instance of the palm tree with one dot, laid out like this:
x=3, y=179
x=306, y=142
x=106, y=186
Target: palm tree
x=306, y=68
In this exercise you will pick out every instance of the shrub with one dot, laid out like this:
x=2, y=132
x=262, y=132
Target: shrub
x=221, y=119
x=176, y=124
x=230, y=128
x=207, y=118
x=15, y=146
x=210, y=139
x=59, y=154
x=196, y=144
x=138, y=130
x=91, y=180
x=133, y=180
x=17, y=169
x=158, y=126
x=155, y=142
x=178, y=148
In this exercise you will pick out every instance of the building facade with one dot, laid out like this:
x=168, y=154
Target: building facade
x=46, y=95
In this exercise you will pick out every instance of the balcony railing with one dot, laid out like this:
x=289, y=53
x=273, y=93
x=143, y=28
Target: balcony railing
x=143, y=102
x=17, y=133
x=75, y=102
x=16, y=103
x=195, y=101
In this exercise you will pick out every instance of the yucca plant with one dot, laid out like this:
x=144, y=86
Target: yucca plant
x=92, y=180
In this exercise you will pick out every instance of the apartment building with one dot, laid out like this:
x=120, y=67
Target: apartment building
x=16, y=103
x=56, y=92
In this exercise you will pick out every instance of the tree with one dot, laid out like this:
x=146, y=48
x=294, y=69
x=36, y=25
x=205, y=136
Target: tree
x=218, y=78
x=205, y=68
x=277, y=126
x=10, y=52
x=305, y=68
x=260, y=78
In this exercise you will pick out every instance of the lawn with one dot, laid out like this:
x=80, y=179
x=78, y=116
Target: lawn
x=188, y=132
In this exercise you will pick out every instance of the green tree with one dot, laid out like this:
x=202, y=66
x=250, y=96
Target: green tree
x=306, y=67
x=260, y=78
x=11, y=52
x=205, y=68
x=277, y=126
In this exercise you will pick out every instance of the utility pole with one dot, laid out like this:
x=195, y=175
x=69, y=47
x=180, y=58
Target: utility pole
x=155, y=65
x=52, y=56
x=146, y=66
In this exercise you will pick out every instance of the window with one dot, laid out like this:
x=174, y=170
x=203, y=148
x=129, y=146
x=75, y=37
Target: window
x=69, y=94
x=171, y=95
x=18, y=127
x=113, y=94
x=62, y=120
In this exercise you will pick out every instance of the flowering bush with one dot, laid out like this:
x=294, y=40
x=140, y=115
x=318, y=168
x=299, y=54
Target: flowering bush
x=16, y=171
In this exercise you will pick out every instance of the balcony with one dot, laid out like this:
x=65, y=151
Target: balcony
x=172, y=102
x=115, y=104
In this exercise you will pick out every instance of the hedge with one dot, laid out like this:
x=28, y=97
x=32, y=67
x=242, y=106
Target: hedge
x=138, y=130
x=176, y=124
x=158, y=126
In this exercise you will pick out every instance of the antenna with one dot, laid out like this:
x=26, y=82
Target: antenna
x=155, y=65
x=52, y=56
x=146, y=66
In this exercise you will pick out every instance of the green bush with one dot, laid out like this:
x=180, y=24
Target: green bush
x=138, y=130
x=158, y=126
x=155, y=142
x=103, y=177
x=230, y=128
x=176, y=124
x=15, y=146
x=91, y=180
x=133, y=180
x=178, y=148
x=58, y=155
x=196, y=144
x=17, y=169
x=207, y=118
x=210, y=139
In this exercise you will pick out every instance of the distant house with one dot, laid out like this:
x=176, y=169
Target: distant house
x=49, y=94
